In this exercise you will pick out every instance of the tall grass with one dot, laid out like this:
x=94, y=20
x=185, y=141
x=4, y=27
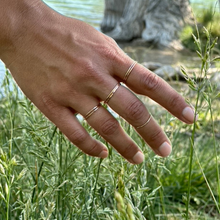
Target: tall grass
x=207, y=17
x=204, y=92
x=43, y=176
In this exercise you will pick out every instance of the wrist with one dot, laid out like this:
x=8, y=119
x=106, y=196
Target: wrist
x=15, y=18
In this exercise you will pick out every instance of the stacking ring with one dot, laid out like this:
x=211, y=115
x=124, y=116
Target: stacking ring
x=110, y=95
x=127, y=74
x=141, y=126
x=94, y=109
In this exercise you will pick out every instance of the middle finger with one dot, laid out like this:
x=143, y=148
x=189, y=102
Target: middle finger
x=128, y=106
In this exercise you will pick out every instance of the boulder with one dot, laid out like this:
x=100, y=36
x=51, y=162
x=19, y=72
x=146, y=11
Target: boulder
x=168, y=72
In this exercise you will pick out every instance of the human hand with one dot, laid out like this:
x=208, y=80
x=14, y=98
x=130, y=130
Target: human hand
x=64, y=66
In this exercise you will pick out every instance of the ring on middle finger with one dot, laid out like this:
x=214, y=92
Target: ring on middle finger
x=110, y=95
x=94, y=109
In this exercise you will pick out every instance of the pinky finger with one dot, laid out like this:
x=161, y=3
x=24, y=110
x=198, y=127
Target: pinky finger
x=68, y=124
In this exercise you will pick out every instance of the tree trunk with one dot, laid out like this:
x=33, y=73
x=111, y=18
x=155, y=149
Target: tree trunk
x=130, y=24
x=164, y=20
x=113, y=13
x=156, y=21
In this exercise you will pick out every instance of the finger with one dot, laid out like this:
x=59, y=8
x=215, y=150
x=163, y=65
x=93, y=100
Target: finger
x=145, y=82
x=68, y=124
x=109, y=128
x=127, y=105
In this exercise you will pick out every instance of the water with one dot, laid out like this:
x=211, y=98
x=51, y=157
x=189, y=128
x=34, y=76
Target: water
x=91, y=11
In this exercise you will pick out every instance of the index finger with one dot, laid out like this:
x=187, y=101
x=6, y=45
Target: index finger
x=144, y=82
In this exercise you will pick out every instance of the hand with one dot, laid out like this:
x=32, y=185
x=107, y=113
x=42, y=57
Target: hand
x=64, y=66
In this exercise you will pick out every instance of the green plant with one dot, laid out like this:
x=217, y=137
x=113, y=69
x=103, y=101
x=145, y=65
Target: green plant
x=207, y=18
x=204, y=92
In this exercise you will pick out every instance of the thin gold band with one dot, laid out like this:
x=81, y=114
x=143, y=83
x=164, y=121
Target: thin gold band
x=141, y=126
x=127, y=74
x=94, y=109
x=112, y=93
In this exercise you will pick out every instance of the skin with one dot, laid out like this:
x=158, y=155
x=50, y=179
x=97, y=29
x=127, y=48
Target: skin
x=64, y=66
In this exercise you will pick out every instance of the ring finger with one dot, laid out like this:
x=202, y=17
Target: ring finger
x=134, y=111
x=109, y=128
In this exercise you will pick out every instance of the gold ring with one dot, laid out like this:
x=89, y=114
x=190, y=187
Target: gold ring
x=127, y=74
x=94, y=109
x=141, y=126
x=112, y=93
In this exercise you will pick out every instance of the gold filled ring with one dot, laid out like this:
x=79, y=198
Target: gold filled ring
x=141, y=126
x=94, y=109
x=110, y=95
x=127, y=74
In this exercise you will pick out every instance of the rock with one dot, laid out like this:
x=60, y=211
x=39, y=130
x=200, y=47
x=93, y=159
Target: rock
x=152, y=65
x=168, y=72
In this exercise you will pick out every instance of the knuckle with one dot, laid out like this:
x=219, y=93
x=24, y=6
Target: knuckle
x=175, y=101
x=135, y=110
x=110, y=51
x=91, y=73
x=129, y=151
x=77, y=137
x=89, y=68
x=93, y=150
x=150, y=81
x=48, y=103
x=156, y=136
x=110, y=126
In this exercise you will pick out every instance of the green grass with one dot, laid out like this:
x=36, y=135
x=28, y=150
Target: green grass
x=43, y=176
x=204, y=17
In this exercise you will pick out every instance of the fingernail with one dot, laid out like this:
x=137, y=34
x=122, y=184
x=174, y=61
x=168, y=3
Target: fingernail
x=138, y=157
x=165, y=149
x=189, y=114
x=103, y=154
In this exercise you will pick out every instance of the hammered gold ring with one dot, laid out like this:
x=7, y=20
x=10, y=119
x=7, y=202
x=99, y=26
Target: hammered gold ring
x=110, y=95
x=94, y=109
x=141, y=126
x=127, y=74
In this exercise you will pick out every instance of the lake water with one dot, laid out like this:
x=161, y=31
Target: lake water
x=91, y=11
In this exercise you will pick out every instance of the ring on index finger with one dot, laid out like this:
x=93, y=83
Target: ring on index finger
x=127, y=74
